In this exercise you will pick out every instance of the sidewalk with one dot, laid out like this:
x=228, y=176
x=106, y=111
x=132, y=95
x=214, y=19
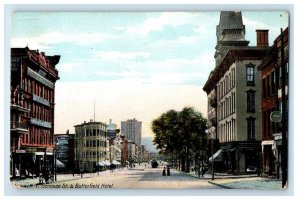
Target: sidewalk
x=221, y=175
x=244, y=181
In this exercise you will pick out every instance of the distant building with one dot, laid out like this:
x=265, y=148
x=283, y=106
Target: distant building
x=90, y=145
x=233, y=90
x=124, y=150
x=32, y=103
x=111, y=130
x=144, y=154
x=132, y=129
x=271, y=71
x=131, y=152
x=65, y=151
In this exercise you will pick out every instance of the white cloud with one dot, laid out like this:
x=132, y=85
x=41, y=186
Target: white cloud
x=201, y=29
x=158, y=23
x=168, y=71
x=45, y=40
x=121, y=55
x=69, y=67
x=182, y=40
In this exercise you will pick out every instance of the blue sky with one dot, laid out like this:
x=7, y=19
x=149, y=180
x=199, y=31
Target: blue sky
x=133, y=64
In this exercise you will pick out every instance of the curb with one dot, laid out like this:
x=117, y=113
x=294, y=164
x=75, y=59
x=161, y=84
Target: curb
x=219, y=185
x=221, y=177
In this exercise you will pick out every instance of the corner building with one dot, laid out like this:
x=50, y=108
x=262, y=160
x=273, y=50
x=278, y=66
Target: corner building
x=33, y=77
x=233, y=89
x=90, y=145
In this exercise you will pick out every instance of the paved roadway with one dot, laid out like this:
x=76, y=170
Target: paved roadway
x=138, y=177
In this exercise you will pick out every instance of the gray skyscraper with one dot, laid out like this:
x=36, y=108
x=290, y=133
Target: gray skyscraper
x=132, y=129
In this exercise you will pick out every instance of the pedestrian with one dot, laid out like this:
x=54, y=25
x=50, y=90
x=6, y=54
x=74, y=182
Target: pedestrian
x=168, y=171
x=164, y=171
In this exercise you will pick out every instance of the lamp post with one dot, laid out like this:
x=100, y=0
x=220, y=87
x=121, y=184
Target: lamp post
x=55, y=157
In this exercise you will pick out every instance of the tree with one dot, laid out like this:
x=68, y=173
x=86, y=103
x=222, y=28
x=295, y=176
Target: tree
x=180, y=134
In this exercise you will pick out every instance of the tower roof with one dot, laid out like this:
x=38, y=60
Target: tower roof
x=230, y=33
x=231, y=20
x=231, y=26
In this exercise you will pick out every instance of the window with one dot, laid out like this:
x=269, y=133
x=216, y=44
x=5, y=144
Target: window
x=251, y=128
x=250, y=74
x=250, y=101
x=273, y=81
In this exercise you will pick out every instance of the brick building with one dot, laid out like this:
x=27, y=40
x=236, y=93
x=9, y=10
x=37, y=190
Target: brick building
x=33, y=77
x=271, y=82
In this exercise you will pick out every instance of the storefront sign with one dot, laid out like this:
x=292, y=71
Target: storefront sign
x=20, y=151
x=276, y=116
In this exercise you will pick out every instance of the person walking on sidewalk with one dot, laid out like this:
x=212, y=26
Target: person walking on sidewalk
x=168, y=171
x=164, y=171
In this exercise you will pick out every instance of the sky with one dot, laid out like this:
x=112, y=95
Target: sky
x=130, y=64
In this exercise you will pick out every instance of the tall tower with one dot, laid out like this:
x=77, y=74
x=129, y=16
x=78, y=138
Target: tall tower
x=230, y=33
x=132, y=129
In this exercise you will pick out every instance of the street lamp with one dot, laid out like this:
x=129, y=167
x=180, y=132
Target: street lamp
x=212, y=159
x=55, y=157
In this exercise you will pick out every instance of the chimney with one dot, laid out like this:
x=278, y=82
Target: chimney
x=262, y=38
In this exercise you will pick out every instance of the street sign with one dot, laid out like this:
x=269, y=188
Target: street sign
x=20, y=151
x=276, y=116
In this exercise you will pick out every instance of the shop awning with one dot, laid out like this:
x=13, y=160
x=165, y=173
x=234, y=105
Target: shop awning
x=115, y=162
x=100, y=164
x=107, y=163
x=59, y=164
x=217, y=156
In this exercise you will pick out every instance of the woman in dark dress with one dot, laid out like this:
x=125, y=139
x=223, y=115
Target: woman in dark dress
x=168, y=171
x=164, y=171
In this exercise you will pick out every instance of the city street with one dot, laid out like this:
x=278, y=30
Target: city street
x=137, y=177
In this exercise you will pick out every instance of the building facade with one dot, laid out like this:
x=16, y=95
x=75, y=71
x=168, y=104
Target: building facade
x=144, y=154
x=65, y=151
x=90, y=145
x=272, y=84
x=233, y=89
x=132, y=129
x=124, y=150
x=33, y=78
x=111, y=129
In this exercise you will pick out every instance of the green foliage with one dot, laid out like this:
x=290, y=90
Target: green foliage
x=175, y=131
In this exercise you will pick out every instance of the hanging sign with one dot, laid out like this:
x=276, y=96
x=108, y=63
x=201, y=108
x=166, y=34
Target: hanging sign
x=276, y=116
